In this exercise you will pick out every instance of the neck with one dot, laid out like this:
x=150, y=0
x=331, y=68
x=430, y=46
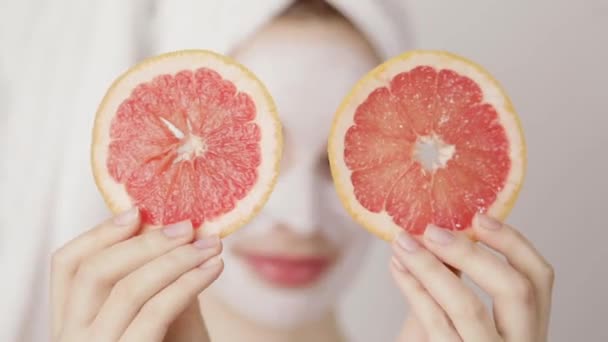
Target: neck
x=226, y=325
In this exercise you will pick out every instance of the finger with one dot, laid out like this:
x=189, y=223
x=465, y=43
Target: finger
x=523, y=256
x=155, y=317
x=132, y=292
x=512, y=293
x=433, y=320
x=65, y=261
x=466, y=311
x=98, y=274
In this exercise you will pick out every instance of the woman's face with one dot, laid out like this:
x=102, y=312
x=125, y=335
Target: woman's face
x=292, y=261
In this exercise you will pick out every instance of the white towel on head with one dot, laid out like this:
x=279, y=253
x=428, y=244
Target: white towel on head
x=59, y=58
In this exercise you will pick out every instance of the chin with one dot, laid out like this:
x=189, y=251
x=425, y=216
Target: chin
x=285, y=291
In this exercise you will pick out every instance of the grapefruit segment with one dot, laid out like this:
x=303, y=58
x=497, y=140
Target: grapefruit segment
x=414, y=91
x=417, y=102
x=372, y=185
x=409, y=201
x=368, y=148
x=187, y=135
x=380, y=114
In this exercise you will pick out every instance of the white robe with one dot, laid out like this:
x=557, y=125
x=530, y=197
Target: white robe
x=57, y=60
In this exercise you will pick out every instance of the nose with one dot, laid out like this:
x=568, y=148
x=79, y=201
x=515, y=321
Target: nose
x=293, y=202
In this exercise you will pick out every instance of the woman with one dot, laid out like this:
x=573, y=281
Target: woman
x=281, y=274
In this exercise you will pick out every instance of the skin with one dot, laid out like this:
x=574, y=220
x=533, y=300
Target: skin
x=516, y=277
x=110, y=284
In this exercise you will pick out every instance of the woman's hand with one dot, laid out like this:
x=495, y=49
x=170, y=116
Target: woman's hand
x=110, y=285
x=445, y=309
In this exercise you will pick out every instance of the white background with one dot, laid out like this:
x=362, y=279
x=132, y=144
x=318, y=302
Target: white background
x=551, y=56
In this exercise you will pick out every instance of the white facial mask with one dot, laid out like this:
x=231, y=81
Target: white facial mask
x=308, y=74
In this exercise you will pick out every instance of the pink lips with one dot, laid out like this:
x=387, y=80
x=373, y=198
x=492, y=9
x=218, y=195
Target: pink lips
x=288, y=271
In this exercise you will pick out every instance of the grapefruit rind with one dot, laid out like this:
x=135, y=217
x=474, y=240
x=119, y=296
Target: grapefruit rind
x=115, y=195
x=381, y=224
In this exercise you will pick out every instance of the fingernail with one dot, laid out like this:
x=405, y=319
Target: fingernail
x=207, y=242
x=488, y=223
x=177, y=229
x=126, y=217
x=438, y=235
x=406, y=242
x=398, y=265
x=216, y=260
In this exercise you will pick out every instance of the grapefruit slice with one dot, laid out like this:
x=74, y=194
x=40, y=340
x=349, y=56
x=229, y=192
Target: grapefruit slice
x=413, y=104
x=187, y=135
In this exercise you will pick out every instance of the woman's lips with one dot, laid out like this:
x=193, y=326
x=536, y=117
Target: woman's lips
x=283, y=271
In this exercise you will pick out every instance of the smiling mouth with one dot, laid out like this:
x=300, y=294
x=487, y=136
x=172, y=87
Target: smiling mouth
x=288, y=271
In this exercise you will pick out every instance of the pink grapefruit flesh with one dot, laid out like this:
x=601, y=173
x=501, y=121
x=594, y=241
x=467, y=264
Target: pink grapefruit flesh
x=190, y=135
x=426, y=100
